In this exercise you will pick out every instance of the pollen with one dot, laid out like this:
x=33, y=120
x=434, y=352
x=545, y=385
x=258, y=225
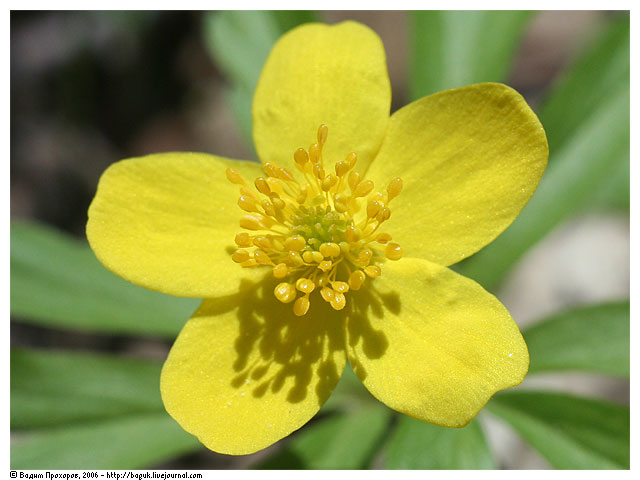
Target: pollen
x=319, y=233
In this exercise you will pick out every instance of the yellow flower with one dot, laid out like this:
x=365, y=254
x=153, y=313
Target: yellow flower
x=255, y=362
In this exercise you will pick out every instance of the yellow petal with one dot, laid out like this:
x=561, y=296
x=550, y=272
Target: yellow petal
x=246, y=372
x=470, y=159
x=433, y=344
x=319, y=74
x=167, y=221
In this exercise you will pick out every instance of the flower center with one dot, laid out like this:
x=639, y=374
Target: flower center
x=320, y=234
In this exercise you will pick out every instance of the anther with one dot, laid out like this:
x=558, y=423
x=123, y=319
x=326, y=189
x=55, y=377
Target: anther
x=270, y=169
x=248, y=204
x=341, y=287
x=383, y=238
x=356, y=279
x=234, y=177
x=262, y=242
x=339, y=301
x=278, y=202
x=327, y=294
x=323, y=132
x=240, y=256
x=294, y=243
x=340, y=203
x=325, y=265
x=394, y=188
x=363, y=189
x=393, y=251
x=285, y=174
x=243, y=240
x=262, y=258
x=365, y=257
x=301, y=156
x=301, y=307
x=330, y=250
x=280, y=270
x=285, y=292
x=268, y=207
x=246, y=191
x=314, y=154
x=305, y=285
x=353, y=234
x=354, y=180
x=383, y=215
x=294, y=259
x=351, y=159
x=262, y=186
x=373, y=207
x=328, y=182
x=373, y=271
x=253, y=222
x=342, y=168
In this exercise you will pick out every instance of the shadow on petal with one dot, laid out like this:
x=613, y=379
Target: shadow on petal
x=367, y=303
x=275, y=350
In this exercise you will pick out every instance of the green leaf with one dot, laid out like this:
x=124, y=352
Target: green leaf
x=415, y=444
x=614, y=192
x=595, y=339
x=132, y=442
x=288, y=19
x=349, y=395
x=592, y=81
x=342, y=441
x=450, y=49
x=52, y=388
x=56, y=281
x=569, y=432
x=601, y=141
x=239, y=42
x=586, y=118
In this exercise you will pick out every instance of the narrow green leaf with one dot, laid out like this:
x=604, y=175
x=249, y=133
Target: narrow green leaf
x=589, y=82
x=450, y=49
x=569, y=432
x=52, y=388
x=342, y=441
x=56, y=281
x=595, y=339
x=419, y=445
x=349, y=395
x=601, y=142
x=239, y=100
x=124, y=443
x=592, y=81
x=586, y=117
x=614, y=192
x=288, y=19
x=239, y=42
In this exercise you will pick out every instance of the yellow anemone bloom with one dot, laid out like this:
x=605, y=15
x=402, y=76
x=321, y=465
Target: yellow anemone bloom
x=303, y=277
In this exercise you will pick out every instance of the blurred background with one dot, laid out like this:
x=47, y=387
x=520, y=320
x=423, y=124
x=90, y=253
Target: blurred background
x=91, y=88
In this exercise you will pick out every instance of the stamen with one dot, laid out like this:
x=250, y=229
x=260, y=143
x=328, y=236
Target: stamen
x=285, y=292
x=393, y=251
x=314, y=234
x=280, y=270
x=243, y=240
